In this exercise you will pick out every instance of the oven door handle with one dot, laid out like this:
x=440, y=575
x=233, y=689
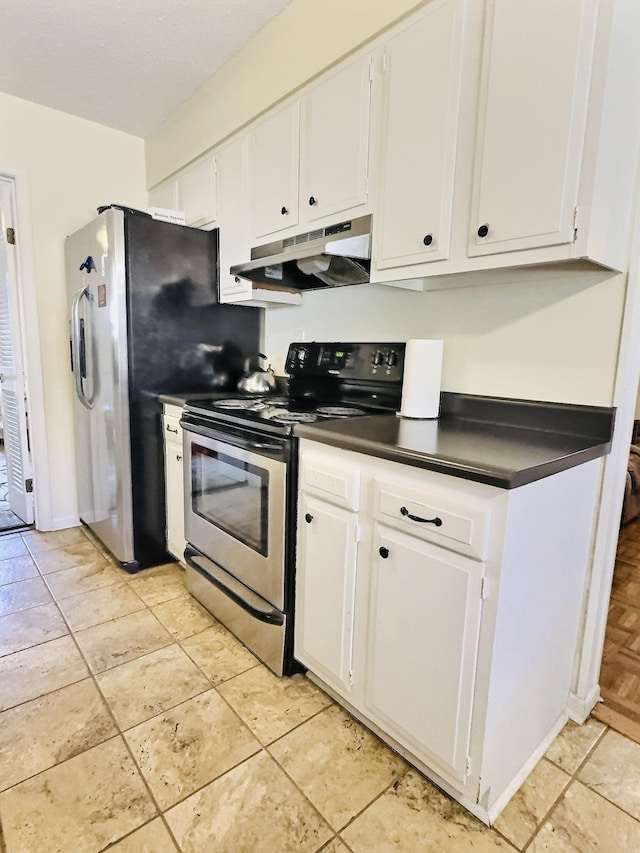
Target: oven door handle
x=271, y=616
x=262, y=445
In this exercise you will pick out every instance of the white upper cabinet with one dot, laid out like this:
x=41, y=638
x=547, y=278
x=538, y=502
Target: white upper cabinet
x=533, y=109
x=422, y=67
x=533, y=138
x=193, y=191
x=309, y=160
x=273, y=172
x=334, y=142
x=232, y=185
x=165, y=195
x=197, y=193
x=481, y=134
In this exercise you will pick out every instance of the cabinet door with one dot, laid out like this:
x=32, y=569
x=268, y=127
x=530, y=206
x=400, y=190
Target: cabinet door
x=424, y=618
x=174, y=480
x=422, y=74
x=232, y=185
x=273, y=172
x=165, y=195
x=197, y=193
x=533, y=102
x=325, y=587
x=175, y=499
x=334, y=142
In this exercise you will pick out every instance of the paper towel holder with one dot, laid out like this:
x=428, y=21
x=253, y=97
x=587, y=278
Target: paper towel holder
x=421, y=381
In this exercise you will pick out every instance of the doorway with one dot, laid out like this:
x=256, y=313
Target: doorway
x=8, y=519
x=16, y=481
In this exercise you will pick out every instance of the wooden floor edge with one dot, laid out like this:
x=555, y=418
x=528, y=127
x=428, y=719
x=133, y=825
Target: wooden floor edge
x=617, y=721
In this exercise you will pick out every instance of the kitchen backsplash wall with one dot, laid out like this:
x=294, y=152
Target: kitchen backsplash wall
x=553, y=338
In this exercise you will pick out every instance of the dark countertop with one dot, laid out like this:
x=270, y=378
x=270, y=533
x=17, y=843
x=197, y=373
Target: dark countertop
x=504, y=443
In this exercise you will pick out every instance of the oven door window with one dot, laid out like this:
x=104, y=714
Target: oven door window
x=232, y=495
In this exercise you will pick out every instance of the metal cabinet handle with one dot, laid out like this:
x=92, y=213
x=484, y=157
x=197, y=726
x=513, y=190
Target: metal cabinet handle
x=405, y=512
x=308, y=517
x=312, y=201
x=384, y=552
x=428, y=239
x=171, y=430
x=483, y=230
x=284, y=210
x=178, y=457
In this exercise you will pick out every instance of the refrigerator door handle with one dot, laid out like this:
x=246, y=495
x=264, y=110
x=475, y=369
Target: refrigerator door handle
x=78, y=350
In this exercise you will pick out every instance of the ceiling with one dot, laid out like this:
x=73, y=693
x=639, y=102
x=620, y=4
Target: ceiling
x=126, y=64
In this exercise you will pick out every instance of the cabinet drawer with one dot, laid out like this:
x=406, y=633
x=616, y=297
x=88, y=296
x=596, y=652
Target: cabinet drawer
x=171, y=428
x=459, y=524
x=338, y=484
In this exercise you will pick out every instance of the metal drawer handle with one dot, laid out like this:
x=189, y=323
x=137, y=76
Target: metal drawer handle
x=308, y=517
x=405, y=512
x=172, y=430
x=178, y=457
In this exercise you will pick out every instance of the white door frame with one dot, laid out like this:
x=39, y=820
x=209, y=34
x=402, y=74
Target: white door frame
x=28, y=308
x=586, y=691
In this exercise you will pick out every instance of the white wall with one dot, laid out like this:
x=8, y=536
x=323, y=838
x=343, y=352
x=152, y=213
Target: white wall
x=553, y=338
x=73, y=166
x=301, y=42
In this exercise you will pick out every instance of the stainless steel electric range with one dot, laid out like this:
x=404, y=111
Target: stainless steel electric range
x=241, y=478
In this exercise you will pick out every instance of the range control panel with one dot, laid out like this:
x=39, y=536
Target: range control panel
x=354, y=361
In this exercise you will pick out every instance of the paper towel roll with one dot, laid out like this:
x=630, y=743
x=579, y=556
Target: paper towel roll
x=421, y=379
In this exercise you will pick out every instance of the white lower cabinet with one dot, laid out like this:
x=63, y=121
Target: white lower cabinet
x=444, y=613
x=328, y=545
x=174, y=480
x=424, y=616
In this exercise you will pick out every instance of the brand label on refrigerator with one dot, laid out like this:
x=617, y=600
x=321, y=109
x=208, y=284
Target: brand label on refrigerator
x=102, y=296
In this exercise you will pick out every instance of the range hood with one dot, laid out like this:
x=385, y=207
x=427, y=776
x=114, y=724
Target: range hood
x=334, y=256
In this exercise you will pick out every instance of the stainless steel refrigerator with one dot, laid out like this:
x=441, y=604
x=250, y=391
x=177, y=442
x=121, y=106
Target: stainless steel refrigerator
x=144, y=320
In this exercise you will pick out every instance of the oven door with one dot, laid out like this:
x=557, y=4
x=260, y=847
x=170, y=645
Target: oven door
x=235, y=494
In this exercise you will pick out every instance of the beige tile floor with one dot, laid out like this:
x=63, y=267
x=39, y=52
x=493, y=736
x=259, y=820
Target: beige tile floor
x=130, y=720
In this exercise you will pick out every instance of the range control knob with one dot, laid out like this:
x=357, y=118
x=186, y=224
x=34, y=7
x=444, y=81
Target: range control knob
x=392, y=358
x=377, y=358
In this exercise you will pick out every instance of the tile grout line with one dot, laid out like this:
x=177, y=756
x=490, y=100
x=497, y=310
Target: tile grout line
x=119, y=732
x=262, y=748
x=572, y=779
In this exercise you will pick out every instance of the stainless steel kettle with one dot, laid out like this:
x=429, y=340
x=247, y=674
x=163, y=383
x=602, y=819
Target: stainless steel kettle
x=258, y=380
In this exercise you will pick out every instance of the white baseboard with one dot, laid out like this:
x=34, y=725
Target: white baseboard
x=579, y=707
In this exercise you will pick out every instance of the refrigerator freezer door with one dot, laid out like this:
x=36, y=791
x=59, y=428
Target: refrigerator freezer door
x=98, y=325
